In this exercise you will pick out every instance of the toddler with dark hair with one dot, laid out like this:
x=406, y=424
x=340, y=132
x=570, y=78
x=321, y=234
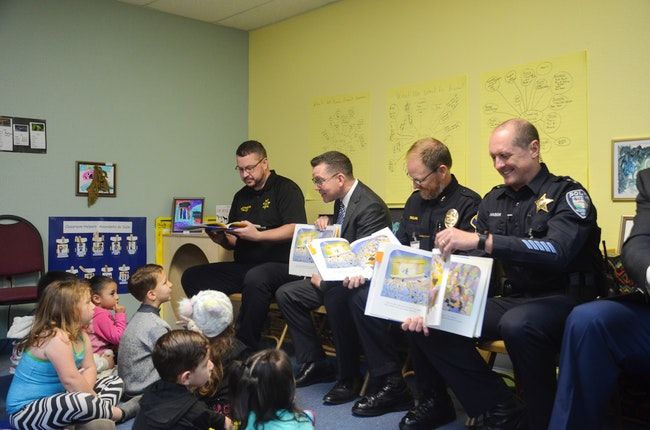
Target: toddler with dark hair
x=263, y=394
x=182, y=359
x=108, y=324
x=210, y=313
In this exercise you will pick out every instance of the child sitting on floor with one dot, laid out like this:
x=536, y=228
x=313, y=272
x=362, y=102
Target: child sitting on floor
x=22, y=325
x=56, y=383
x=106, y=328
x=150, y=285
x=210, y=312
x=263, y=391
x=182, y=359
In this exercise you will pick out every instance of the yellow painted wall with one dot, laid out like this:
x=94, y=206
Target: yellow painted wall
x=373, y=45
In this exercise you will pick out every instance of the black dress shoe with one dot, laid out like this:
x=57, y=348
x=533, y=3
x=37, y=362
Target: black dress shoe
x=510, y=415
x=393, y=396
x=428, y=414
x=344, y=391
x=315, y=372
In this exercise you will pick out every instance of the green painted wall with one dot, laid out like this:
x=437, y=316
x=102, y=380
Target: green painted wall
x=163, y=97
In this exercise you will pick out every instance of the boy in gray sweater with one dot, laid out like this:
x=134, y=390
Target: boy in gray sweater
x=149, y=284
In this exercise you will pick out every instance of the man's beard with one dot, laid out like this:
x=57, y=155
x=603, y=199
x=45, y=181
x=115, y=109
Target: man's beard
x=430, y=194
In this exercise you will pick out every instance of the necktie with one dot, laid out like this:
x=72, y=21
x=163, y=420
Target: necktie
x=341, y=215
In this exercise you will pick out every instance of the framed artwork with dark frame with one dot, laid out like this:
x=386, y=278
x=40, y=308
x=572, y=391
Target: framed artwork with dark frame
x=187, y=212
x=627, y=222
x=85, y=172
x=628, y=157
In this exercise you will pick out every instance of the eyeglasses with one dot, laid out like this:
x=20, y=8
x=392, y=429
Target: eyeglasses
x=248, y=169
x=421, y=181
x=320, y=181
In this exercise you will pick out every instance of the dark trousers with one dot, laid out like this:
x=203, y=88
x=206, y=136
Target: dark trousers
x=379, y=337
x=532, y=331
x=600, y=339
x=256, y=282
x=297, y=299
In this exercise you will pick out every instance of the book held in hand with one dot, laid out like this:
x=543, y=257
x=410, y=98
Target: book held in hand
x=219, y=226
x=449, y=294
x=300, y=261
x=337, y=259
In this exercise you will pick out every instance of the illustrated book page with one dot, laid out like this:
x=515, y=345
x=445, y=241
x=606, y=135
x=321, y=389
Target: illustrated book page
x=337, y=259
x=300, y=261
x=450, y=295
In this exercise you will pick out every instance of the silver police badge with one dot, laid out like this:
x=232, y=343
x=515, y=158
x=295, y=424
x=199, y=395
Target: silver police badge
x=451, y=218
x=579, y=202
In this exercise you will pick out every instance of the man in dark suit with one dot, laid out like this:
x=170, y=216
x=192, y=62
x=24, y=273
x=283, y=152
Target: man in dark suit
x=605, y=337
x=360, y=212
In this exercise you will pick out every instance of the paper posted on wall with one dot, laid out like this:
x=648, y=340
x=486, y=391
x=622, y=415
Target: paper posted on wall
x=300, y=261
x=449, y=294
x=337, y=259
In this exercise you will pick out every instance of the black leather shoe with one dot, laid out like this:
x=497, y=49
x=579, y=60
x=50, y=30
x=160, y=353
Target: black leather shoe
x=315, y=372
x=428, y=414
x=344, y=391
x=510, y=415
x=393, y=396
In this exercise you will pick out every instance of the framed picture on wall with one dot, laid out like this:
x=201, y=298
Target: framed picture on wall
x=626, y=227
x=628, y=157
x=187, y=212
x=85, y=172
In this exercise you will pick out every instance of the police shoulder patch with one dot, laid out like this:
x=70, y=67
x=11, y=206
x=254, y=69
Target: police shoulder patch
x=579, y=202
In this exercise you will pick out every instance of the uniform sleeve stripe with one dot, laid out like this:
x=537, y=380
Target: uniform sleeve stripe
x=539, y=246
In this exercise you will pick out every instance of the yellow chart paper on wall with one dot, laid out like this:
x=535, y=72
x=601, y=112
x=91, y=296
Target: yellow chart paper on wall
x=340, y=123
x=433, y=109
x=551, y=94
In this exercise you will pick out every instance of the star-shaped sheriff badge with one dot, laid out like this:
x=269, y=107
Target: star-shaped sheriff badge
x=542, y=203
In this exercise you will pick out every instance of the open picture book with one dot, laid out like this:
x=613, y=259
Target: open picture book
x=337, y=259
x=219, y=226
x=300, y=261
x=449, y=294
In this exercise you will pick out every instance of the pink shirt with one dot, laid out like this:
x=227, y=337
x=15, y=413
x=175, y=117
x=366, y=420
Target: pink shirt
x=106, y=329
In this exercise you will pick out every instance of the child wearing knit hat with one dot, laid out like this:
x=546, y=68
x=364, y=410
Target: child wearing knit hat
x=210, y=312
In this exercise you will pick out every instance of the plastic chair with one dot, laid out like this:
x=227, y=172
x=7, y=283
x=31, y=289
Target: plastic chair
x=21, y=254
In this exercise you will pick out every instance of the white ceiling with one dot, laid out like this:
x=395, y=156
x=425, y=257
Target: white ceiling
x=241, y=14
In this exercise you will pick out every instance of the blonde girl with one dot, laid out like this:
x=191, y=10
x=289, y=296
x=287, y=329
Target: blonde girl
x=56, y=384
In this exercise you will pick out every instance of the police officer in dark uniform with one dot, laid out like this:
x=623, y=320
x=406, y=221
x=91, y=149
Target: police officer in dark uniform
x=261, y=255
x=439, y=201
x=542, y=230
